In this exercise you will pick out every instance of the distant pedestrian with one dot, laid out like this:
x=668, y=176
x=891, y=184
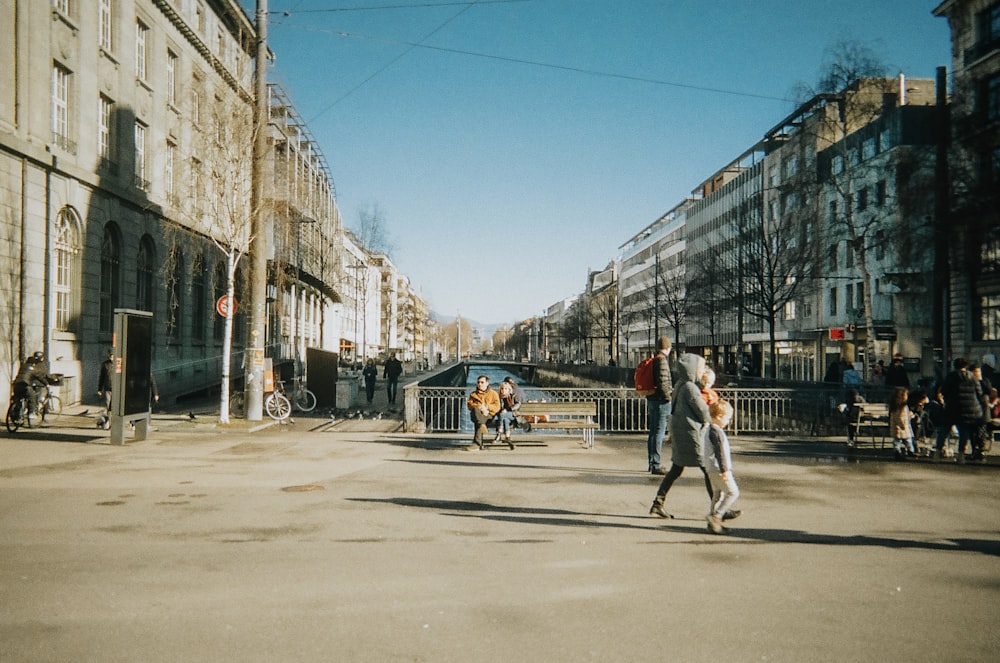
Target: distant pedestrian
x=658, y=405
x=104, y=382
x=900, y=424
x=370, y=374
x=895, y=374
x=391, y=372
x=719, y=463
x=963, y=402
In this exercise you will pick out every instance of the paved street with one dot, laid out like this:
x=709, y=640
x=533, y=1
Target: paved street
x=341, y=543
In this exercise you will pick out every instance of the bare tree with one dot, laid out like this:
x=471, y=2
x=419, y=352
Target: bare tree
x=372, y=229
x=218, y=207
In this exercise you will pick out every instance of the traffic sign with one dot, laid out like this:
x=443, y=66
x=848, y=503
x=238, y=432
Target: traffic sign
x=222, y=306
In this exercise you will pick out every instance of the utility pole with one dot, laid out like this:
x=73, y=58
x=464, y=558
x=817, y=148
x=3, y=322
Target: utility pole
x=254, y=364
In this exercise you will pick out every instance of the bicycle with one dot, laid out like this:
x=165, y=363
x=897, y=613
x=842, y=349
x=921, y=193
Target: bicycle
x=18, y=413
x=277, y=406
x=302, y=398
x=49, y=406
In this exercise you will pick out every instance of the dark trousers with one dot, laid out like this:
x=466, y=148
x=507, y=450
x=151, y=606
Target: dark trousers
x=390, y=388
x=370, y=390
x=671, y=476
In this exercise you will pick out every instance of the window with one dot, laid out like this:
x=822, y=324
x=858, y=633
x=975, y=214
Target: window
x=880, y=245
x=61, y=6
x=833, y=257
x=990, y=102
x=108, y=296
x=848, y=294
x=145, y=270
x=60, y=106
x=859, y=292
x=169, y=162
x=988, y=24
x=880, y=193
x=171, y=78
x=833, y=213
x=196, y=187
x=196, y=101
x=833, y=301
x=837, y=165
x=862, y=200
x=199, y=13
x=789, y=310
x=198, y=304
x=105, y=128
x=141, y=32
x=104, y=23
x=791, y=167
x=884, y=140
x=869, y=148
x=140, y=157
x=989, y=318
x=67, y=249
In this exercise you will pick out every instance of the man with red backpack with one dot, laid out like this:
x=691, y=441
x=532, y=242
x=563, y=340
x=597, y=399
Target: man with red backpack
x=658, y=404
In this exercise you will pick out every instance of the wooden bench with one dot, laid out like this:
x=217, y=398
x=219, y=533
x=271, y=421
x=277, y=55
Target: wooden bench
x=873, y=419
x=578, y=416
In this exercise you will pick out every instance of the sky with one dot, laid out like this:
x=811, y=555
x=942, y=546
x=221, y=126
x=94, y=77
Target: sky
x=511, y=146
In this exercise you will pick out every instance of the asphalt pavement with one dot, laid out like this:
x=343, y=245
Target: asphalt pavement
x=348, y=540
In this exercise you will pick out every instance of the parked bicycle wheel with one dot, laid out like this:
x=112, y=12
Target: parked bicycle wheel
x=277, y=406
x=237, y=406
x=304, y=400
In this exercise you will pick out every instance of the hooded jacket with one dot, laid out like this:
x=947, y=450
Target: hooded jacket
x=690, y=413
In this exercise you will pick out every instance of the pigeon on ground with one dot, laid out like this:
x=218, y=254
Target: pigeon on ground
x=191, y=416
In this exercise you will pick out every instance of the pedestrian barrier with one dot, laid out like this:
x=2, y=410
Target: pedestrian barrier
x=621, y=410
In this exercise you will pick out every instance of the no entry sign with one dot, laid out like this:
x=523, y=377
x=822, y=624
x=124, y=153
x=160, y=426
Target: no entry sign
x=222, y=306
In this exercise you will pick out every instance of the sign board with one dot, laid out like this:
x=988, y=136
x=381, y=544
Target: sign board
x=837, y=334
x=222, y=306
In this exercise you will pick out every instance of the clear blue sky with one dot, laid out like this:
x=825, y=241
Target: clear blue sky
x=514, y=145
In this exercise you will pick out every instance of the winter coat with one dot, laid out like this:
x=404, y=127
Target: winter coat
x=661, y=377
x=489, y=398
x=715, y=450
x=690, y=413
x=963, y=398
x=899, y=423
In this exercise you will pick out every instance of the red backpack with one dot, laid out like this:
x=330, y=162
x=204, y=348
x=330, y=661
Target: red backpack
x=643, y=379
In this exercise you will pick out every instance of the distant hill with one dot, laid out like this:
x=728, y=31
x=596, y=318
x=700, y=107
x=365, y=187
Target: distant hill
x=488, y=329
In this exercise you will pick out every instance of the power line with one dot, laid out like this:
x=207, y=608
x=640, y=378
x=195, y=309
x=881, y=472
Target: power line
x=467, y=7
x=502, y=58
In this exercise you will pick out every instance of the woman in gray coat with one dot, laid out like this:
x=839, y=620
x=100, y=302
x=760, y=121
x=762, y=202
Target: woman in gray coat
x=688, y=423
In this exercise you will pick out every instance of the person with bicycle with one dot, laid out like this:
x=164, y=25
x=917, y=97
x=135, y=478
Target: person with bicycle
x=31, y=377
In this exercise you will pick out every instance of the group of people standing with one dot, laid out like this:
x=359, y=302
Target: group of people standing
x=964, y=402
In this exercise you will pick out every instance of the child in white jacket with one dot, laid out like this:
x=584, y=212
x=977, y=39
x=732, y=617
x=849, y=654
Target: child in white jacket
x=719, y=464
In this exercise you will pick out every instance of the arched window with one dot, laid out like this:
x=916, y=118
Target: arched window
x=110, y=258
x=175, y=291
x=145, y=269
x=198, y=304
x=67, y=250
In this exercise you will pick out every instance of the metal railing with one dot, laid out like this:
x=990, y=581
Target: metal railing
x=809, y=411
